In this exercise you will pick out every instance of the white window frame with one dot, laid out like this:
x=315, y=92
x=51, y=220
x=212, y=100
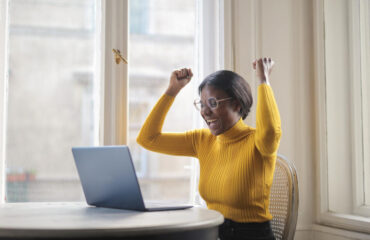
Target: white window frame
x=3, y=92
x=360, y=165
x=365, y=58
x=324, y=215
x=114, y=89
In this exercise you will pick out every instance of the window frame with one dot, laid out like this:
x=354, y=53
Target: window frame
x=358, y=61
x=113, y=129
x=365, y=61
x=324, y=216
x=3, y=92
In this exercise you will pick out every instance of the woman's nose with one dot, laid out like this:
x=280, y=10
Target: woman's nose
x=206, y=111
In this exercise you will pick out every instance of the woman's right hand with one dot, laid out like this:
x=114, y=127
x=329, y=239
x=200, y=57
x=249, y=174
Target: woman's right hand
x=178, y=80
x=263, y=67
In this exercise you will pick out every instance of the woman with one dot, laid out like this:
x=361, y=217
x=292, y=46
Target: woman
x=237, y=161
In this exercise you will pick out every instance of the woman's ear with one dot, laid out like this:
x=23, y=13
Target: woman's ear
x=236, y=106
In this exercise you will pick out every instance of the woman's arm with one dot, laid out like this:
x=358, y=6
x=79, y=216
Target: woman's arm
x=268, y=124
x=151, y=136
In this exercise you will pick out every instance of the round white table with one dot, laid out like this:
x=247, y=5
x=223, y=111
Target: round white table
x=78, y=220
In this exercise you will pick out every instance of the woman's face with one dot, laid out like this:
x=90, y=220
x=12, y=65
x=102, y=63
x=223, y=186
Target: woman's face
x=224, y=116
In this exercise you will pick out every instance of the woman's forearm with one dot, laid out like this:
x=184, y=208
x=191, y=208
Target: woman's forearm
x=152, y=138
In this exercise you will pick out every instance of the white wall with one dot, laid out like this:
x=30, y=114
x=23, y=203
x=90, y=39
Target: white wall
x=284, y=30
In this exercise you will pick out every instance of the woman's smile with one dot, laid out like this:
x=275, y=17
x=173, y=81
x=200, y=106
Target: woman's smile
x=212, y=123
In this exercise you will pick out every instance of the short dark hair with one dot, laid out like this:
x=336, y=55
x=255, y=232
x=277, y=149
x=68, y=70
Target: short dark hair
x=234, y=85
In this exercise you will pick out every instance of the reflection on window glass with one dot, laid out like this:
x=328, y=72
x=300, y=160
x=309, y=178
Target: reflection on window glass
x=161, y=40
x=50, y=98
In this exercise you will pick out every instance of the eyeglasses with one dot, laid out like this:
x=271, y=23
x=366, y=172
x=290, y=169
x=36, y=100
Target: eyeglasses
x=212, y=103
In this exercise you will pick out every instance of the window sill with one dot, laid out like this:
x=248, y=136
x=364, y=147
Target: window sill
x=319, y=230
x=345, y=223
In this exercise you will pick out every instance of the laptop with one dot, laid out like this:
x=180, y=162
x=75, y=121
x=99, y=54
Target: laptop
x=109, y=179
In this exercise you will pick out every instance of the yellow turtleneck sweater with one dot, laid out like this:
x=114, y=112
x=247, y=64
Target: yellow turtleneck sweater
x=236, y=167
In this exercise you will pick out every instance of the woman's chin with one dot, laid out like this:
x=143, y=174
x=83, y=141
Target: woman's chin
x=215, y=131
x=215, y=128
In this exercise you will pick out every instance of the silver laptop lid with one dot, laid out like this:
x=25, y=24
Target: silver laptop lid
x=108, y=177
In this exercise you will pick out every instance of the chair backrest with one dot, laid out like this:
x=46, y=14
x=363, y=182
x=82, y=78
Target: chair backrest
x=284, y=199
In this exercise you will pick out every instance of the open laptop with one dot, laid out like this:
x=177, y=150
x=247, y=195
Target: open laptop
x=109, y=179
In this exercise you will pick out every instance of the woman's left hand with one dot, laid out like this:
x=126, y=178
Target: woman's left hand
x=263, y=67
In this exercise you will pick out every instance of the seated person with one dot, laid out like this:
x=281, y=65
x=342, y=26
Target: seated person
x=237, y=161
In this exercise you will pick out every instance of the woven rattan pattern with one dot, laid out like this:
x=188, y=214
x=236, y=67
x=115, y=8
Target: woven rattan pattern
x=279, y=199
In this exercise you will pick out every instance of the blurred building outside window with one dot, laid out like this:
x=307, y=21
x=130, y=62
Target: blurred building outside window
x=50, y=104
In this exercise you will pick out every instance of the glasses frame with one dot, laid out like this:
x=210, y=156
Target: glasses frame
x=198, y=101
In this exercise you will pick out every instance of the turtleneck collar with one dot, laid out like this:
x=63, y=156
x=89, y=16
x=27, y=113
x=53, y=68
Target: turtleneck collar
x=235, y=132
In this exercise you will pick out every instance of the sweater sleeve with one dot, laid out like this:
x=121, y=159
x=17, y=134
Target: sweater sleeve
x=152, y=138
x=268, y=124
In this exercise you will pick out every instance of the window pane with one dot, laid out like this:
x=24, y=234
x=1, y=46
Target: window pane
x=365, y=66
x=161, y=40
x=338, y=97
x=50, y=98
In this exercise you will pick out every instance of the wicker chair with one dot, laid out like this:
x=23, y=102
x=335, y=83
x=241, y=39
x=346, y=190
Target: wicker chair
x=284, y=199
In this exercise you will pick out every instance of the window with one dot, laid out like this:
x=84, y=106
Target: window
x=50, y=97
x=365, y=81
x=61, y=88
x=343, y=63
x=161, y=39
